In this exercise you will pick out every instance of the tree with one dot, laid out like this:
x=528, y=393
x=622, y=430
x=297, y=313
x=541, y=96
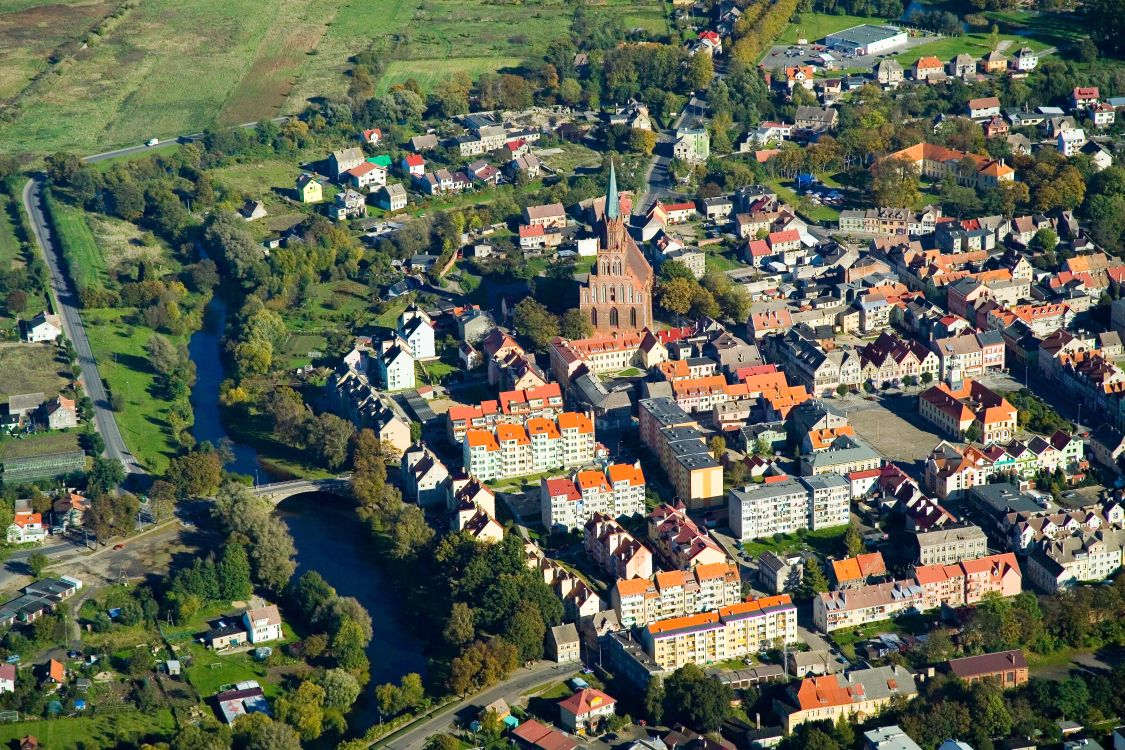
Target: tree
x=700, y=71
x=408, y=530
x=304, y=711
x=718, y=447
x=1106, y=22
x=105, y=475
x=973, y=434
x=1044, y=240
x=341, y=689
x=442, y=742
x=197, y=473
x=841, y=390
x=460, y=627
x=642, y=141
x=927, y=378
x=233, y=571
x=575, y=324
x=526, y=630
x=696, y=699
x=676, y=295
x=347, y=647
x=853, y=539
x=535, y=323
x=894, y=182
x=813, y=581
x=654, y=700
x=16, y=302
x=257, y=731
x=37, y=563
x=269, y=543
x=329, y=434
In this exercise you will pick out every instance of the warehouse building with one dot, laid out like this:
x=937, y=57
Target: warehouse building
x=866, y=39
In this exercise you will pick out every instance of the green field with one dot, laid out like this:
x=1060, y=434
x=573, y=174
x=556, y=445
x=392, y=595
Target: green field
x=119, y=349
x=84, y=260
x=977, y=45
x=10, y=251
x=816, y=26
x=1055, y=29
x=40, y=444
x=816, y=213
x=117, y=729
x=156, y=72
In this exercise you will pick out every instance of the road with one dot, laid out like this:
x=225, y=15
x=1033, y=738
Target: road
x=68, y=305
x=511, y=690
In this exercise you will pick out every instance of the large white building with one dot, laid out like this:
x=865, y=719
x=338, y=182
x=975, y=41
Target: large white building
x=866, y=39
x=568, y=503
x=417, y=330
x=541, y=444
x=783, y=504
x=727, y=633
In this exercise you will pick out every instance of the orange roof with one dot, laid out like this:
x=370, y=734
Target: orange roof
x=860, y=566
x=56, y=671
x=669, y=579
x=591, y=479
x=632, y=586
x=822, y=692
x=585, y=701
x=508, y=432
x=714, y=570
x=630, y=473
x=537, y=426
x=680, y=623
x=571, y=420
x=481, y=438
x=25, y=518
x=929, y=62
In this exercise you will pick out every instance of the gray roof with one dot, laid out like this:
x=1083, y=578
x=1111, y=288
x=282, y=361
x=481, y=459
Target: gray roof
x=562, y=634
x=889, y=738
x=864, y=34
x=1004, y=498
x=855, y=450
x=25, y=401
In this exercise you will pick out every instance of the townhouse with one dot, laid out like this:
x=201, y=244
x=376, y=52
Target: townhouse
x=1059, y=564
x=512, y=407
x=891, y=359
x=784, y=504
x=567, y=503
x=961, y=584
x=541, y=444
x=730, y=632
x=677, y=593
x=951, y=470
x=424, y=476
x=615, y=550
x=955, y=410
x=969, y=355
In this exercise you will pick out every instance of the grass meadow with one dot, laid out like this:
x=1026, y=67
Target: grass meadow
x=84, y=259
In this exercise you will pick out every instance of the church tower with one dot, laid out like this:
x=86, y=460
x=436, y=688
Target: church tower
x=618, y=294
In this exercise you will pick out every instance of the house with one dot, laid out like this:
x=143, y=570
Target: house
x=927, y=68
x=348, y=205
x=391, y=197
x=1070, y=142
x=252, y=210
x=413, y=165
x=1084, y=96
x=424, y=476
x=417, y=330
x=7, y=678
x=1025, y=60
x=861, y=693
x=994, y=62
x=61, y=413
x=43, y=327
x=1104, y=114
x=585, y=710
x=693, y=145
x=394, y=366
x=55, y=673
x=262, y=623
x=889, y=72
x=996, y=126
x=27, y=528
x=531, y=735
x=1007, y=668
x=780, y=574
x=563, y=644
x=551, y=215
x=984, y=107
x=247, y=697
x=224, y=635
x=372, y=136
x=527, y=166
x=1098, y=154
x=341, y=161
x=854, y=571
x=817, y=119
x=888, y=738
x=366, y=175
x=962, y=66
x=309, y=190
x=420, y=143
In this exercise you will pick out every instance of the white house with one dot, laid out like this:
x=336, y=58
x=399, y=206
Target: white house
x=424, y=476
x=585, y=709
x=43, y=327
x=391, y=197
x=365, y=176
x=262, y=624
x=395, y=366
x=1070, y=142
x=26, y=528
x=1025, y=60
x=7, y=678
x=1104, y=114
x=1098, y=154
x=417, y=330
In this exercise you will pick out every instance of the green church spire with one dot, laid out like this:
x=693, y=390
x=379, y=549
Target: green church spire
x=612, y=203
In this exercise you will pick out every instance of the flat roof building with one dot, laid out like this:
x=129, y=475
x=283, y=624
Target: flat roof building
x=866, y=39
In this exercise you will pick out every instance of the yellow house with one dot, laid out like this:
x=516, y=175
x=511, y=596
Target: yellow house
x=309, y=190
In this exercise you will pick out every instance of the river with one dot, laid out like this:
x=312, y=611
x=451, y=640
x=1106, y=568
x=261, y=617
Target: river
x=328, y=538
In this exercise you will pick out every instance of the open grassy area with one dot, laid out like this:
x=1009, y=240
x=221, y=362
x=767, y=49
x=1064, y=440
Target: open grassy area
x=9, y=242
x=823, y=541
x=144, y=419
x=428, y=73
x=1055, y=29
x=816, y=213
x=84, y=259
x=31, y=368
x=816, y=26
x=977, y=45
x=117, y=729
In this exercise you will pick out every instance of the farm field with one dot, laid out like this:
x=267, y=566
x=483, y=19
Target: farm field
x=153, y=74
x=128, y=727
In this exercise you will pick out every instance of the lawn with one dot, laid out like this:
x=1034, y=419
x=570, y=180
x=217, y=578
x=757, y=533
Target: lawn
x=111, y=729
x=10, y=250
x=31, y=368
x=85, y=262
x=119, y=349
x=428, y=73
x=823, y=541
x=1055, y=29
x=816, y=212
x=977, y=45
x=210, y=671
x=816, y=26
x=720, y=261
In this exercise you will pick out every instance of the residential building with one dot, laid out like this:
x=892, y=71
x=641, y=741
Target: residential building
x=262, y=624
x=341, y=161
x=780, y=574
x=27, y=528
x=861, y=693
x=679, y=541
x=969, y=355
x=606, y=353
x=585, y=710
x=424, y=476
x=394, y=366
x=366, y=175
x=7, y=678
x=60, y=413
x=542, y=444
x=693, y=145
x=783, y=504
x=252, y=210
x=731, y=632
x=43, y=327
x=563, y=644
x=1083, y=97
x=309, y=190
x=531, y=735
x=569, y=503
x=889, y=73
x=939, y=162
x=956, y=410
x=846, y=455
x=853, y=572
x=639, y=601
x=927, y=68
x=1060, y=564
x=1008, y=669
x=1025, y=60
x=1070, y=142
x=949, y=545
x=550, y=215
x=888, y=738
x=984, y=107
x=391, y=197
x=513, y=407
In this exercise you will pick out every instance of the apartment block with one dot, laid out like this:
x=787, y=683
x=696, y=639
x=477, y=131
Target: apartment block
x=512, y=407
x=567, y=503
x=612, y=352
x=679, y=540
x=955, y=409
x=862, y=693
x=727, y=633
x=676, y=593
x=542, y=444
x=1058, y=565
x=615, y=550
x=950, y=544
x=784, y=504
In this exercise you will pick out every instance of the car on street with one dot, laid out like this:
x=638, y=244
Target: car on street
x=152, y=142
x=118, y=546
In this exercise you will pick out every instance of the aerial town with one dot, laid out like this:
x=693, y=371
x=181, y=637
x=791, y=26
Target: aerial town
x=454, y=375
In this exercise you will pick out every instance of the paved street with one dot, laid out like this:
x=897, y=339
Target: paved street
x=511, y=690
x=68, y=305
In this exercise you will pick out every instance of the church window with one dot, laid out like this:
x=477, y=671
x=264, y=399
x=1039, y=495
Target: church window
x=633, y=318
x=613, y=317
x=594, y=317
x=616, y=268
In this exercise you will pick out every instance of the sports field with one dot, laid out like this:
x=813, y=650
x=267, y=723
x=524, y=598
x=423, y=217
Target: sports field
x=90, y=75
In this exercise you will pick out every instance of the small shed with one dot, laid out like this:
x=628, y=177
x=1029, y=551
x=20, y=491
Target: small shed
x=262, y=653
x=172, y=666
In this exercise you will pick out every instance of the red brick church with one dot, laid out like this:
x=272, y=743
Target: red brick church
x=618, y=294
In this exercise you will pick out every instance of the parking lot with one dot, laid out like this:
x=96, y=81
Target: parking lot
x=893, y=427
